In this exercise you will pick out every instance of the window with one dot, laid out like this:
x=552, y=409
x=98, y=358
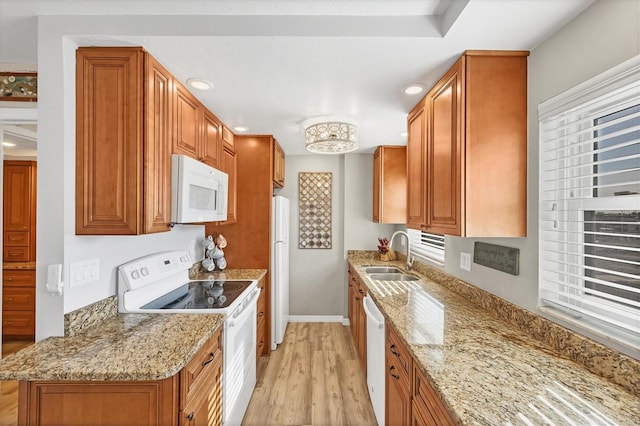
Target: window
x=427, y=246
x=589, y=228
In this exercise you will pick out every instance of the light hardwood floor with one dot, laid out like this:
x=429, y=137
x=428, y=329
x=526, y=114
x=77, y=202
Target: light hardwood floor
x=314, y=378
x=9, y=389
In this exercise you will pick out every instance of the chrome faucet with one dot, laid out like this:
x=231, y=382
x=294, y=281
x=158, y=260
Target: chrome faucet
x=409, y=257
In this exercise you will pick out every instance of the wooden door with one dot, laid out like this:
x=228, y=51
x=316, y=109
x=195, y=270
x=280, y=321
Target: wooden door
x=361, y=318
x=397, y=399
x=416, y=173
x=229, y=164
x=278, y=165
x=109, y=123
x=158, y=147
x=350, y=300
x=19, y=211
x=211, y=146
x=445, y=154
x=187, y=123
x=377, y=170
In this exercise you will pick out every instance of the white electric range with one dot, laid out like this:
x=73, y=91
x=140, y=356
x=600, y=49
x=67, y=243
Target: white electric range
x=160, y=284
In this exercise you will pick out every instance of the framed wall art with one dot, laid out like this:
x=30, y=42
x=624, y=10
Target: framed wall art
x=19, y=86
x=314, y=210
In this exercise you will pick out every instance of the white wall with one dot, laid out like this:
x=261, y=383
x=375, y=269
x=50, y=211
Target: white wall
x=604, y=35
x=315, y=278
x=318, y=277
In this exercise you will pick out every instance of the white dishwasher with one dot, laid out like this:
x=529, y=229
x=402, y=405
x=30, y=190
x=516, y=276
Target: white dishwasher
x=375, y=357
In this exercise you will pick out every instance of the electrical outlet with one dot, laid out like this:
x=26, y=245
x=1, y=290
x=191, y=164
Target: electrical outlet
x=84, y=272
x=465, y=261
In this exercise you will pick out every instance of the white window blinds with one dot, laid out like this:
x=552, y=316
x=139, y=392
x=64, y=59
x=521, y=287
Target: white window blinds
x=426, y=245
x=589, y=226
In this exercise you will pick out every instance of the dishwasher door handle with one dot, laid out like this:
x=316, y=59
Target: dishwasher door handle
x=370, y=315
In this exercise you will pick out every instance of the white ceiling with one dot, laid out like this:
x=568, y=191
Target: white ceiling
x=277, y=63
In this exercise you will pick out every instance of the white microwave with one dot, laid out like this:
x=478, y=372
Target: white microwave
x=198, y=191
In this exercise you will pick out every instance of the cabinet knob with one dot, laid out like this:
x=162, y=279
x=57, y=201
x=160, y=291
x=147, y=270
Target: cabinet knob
x=10, y=299
x=210, y=360
x=190, y=416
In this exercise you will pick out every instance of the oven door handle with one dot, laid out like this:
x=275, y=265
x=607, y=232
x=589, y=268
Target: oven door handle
x=237, y=317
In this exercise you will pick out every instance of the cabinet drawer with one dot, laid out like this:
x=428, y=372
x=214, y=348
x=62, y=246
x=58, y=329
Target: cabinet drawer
x=18, y=323
x=18, y=299
x=18, y=278
x=16, y=238
x=425, y=397
x=196, y=372
x=398, y=358
x=16, y=254
x=205, y=406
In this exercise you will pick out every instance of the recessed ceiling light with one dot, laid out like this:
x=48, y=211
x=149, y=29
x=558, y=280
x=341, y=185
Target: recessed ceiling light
x=8, y=144
x=200, y=83
x=413, y=89
x=241, y=129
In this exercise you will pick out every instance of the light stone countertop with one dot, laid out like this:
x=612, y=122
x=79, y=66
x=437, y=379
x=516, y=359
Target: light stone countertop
x=229, y=274
x=123, y=347
x=486, y=371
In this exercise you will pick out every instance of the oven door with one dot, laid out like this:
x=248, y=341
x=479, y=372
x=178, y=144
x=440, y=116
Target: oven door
x=239, y=359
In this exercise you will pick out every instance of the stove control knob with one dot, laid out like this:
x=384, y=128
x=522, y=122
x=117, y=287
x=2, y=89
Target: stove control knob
x=144, y=271
x=135, y=274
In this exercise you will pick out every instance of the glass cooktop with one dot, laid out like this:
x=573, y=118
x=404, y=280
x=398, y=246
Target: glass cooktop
x=200, y=295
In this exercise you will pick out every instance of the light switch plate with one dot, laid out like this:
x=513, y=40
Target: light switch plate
x=465, y=261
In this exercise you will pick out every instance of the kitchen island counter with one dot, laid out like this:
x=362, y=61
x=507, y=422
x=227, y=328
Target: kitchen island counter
x=485, y=370
x=124, y=347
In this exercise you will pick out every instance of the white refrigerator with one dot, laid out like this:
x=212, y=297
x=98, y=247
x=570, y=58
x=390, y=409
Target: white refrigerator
x=279, y=269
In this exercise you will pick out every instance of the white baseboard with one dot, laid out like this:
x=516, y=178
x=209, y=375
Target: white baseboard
x=319, y=318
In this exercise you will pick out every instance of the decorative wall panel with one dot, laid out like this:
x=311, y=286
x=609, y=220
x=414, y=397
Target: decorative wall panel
x=315, y=210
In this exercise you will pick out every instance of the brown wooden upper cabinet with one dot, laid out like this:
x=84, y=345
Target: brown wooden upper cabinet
x=228, y=164
x=390, y=184
x=19, y=211
x=467, y=149
x=278, y=165
x=123, y=142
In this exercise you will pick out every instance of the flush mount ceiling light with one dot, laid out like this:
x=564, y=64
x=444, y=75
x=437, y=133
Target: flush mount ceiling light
x=200, y=83
x=241, y=129
x=413, y=89
x=331, y=135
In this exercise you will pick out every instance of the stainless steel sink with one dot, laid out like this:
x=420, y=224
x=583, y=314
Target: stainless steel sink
x=393, y=277
x=382, y=270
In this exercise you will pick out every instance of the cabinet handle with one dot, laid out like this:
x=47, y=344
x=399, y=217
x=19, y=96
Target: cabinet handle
x=395, y=376
x=190, y=416
x=261, y=314
x=393, y=350
x=357, y=298
x=210, y=360
x=361, y=291
x=10, y=299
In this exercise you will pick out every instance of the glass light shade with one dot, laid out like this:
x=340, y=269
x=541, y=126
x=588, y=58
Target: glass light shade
x=331, y=137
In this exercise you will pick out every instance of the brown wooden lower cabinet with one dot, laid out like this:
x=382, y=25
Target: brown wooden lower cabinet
x=357, y=317
x=191, y=397
x=410, y=397
x=18, y=304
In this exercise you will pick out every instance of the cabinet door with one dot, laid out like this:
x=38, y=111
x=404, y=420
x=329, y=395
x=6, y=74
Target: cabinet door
x=19, y=188
x=187, y=127
x=397, y=400
x=229, y=164
x=211, y=145
x=362, y=329
x=109, y=114
x=351, y=305
x=278, y=165
x=377, y=170
x=206, y=408
x=158, y=146
x=416, y=173
x=445, y=154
